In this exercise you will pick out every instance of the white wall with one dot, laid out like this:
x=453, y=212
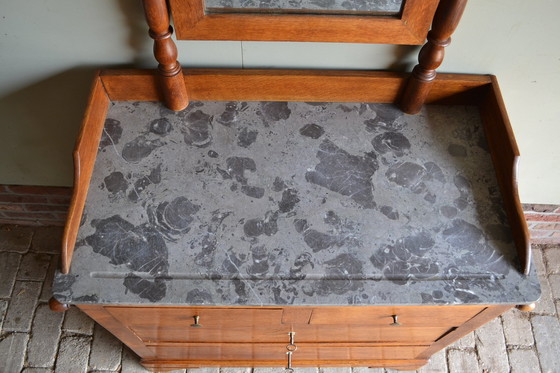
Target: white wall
x=50, y=48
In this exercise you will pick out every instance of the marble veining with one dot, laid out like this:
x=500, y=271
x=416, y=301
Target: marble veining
x=333, y=6
x=293, y=203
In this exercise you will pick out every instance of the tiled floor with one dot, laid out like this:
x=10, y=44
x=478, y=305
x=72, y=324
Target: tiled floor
x=34, y=339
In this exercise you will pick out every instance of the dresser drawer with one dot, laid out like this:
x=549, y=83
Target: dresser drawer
x=369, y=333
x=319, y=324
x=177, y=324
x=406, y=316
x=276, y=352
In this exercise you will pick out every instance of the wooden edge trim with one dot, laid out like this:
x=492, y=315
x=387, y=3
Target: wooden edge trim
x=518, y=223
x=313, y=28
x=115, y=327
x=291, y=85
x=403, y=364
x=411, y=28
x=486, y=315
x=84, y=156
x=186, y=14
x=505, y=155
x=299, y=86
x=417, y=16
x=280, y=308
x=131, y=85
x=301, y=344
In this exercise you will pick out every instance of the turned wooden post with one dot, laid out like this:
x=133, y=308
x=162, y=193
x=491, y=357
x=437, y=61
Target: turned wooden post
x=170, y=76
x=431, y=55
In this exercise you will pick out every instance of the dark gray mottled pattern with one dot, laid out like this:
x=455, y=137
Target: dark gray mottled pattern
x=336, y=6
x=268, y=203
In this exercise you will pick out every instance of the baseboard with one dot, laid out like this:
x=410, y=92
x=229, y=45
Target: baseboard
x=543, y=222
x=34, y=205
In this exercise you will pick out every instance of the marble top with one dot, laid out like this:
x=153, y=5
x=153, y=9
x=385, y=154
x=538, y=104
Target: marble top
x=331, y=6
x=293, y=203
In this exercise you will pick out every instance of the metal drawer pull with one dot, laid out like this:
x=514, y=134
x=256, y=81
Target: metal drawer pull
x=290, y=348
x=196, y=324
x=395, y=320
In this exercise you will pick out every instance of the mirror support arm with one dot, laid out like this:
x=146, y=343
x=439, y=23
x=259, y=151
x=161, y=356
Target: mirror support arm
x=169, y=73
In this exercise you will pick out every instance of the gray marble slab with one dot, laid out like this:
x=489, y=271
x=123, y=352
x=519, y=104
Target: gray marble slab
x=293, y=203
x=331, y=6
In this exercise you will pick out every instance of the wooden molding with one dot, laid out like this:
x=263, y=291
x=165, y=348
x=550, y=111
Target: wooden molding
x=411, y=27
x=168, y=365
x=293, y=85
x=84, y=155
x=505, y=156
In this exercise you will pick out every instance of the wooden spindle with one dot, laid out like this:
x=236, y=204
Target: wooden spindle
x=170, y=76
x=431, y=55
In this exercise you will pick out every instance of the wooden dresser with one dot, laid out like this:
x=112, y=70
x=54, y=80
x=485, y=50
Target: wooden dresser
x=175, y=337
x=295, y=218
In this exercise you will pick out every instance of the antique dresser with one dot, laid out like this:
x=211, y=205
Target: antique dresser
x=292, y=218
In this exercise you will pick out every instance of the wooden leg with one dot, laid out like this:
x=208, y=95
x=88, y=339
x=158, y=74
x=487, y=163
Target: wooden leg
x=170, y=75
x=431, y=55
x=56, y=306
x=526, y=307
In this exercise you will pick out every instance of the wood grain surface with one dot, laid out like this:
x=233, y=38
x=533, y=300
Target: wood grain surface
x=171, y=85
x=292, y=85
x=445, y=22
x=411, y=27
x=505, y=155
x=84, y=155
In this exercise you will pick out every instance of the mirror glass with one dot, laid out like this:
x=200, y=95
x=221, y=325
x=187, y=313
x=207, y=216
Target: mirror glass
x=377, y=7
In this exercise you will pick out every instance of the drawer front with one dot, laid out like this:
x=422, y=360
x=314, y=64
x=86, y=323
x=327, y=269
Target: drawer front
x=178, y=324
x=383, y=316
x=368, y=333
x=415, y=325
x=277, y=352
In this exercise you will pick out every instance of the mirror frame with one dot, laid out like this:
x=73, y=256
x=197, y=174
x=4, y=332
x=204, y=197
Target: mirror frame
x=410, y=27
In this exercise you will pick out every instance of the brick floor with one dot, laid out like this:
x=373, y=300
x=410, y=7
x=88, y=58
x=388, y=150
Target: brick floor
x=35, y=340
